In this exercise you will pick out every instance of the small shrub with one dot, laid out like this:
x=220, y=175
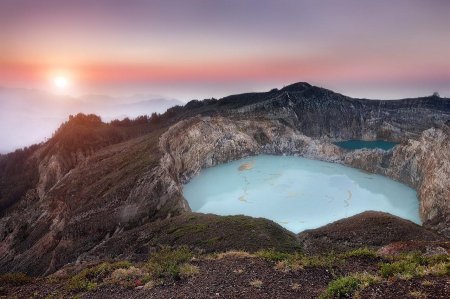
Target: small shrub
x=151, y=284
x=415, y=264
x=341, y=287
x=326, y=261
x=88, y=279
x=402, y=269
x=439, y=269
x=14, y=279
x=130, y=277
x=287, y=262
x=346, y=286
x=441, y=258
x=360, y=252
x=166, y=262
x=78, y=283
x=256, y=283
x=366, y=279
x=427, y=283
x=104, y=269
x=188, y=270
x=413, y=257
x=273, y=255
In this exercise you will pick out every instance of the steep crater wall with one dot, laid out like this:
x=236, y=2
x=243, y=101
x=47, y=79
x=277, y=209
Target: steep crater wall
x=200, y=142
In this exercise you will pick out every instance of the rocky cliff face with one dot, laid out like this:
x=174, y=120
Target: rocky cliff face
x=423, y=164
x=318, y=112
x=78, y=201
x=113, y=180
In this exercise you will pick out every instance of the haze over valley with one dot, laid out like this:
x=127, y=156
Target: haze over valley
x=31, y=116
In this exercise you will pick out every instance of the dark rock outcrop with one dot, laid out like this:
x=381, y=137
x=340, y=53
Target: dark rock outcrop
x=368, y=229
x=423, y=164
x=204, y=233
x=429, y=248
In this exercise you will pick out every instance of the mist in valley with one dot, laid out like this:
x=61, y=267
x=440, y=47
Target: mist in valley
x=31, y=116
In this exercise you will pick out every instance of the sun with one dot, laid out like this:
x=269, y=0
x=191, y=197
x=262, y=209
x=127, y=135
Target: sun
x=61, y=82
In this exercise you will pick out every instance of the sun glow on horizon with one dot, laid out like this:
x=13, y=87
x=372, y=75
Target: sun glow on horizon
x=61, y=82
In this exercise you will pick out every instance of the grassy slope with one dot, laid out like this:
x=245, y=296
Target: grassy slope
x=201, y=232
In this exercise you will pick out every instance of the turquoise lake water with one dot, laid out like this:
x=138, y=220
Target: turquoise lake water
x=295, y=192
x=360, y=144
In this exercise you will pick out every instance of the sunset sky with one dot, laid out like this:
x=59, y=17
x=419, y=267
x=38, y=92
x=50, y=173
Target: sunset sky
x=197, y=49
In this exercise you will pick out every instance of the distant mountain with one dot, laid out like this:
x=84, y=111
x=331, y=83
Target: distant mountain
x=30, y=116
x=135, y=109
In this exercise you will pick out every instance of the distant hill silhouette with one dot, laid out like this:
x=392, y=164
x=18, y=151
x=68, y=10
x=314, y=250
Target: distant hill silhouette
x=44, y=112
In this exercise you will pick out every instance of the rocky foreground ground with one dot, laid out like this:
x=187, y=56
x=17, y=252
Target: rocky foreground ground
x=179, y=273
x=370, y=255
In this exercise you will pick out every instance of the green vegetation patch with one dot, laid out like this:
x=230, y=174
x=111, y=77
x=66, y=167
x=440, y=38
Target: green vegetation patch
x=360, y=252
x=169, y=263
x=346, y=286
x=187, y=270
x=297, y=260
x=404, y=269
x=415, y=264
x=89, y=278
x=292, y=261
x=166, y=263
